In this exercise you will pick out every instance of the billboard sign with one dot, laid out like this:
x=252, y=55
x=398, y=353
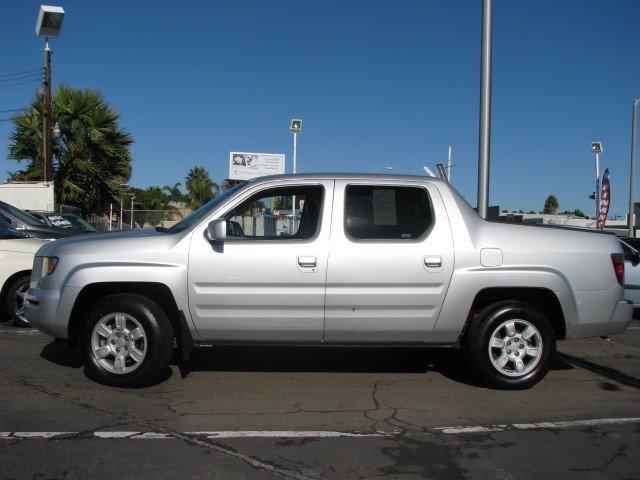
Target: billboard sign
x=246, y=165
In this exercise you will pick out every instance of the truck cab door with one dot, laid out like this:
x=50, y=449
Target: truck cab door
x=390, y=261
x=265, y=282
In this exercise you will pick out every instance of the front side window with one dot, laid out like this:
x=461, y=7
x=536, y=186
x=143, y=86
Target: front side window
x=387, y=212
x=277, y=214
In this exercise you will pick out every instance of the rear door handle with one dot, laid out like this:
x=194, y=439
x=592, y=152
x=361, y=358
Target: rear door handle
x=307, y=262
x=433, y=261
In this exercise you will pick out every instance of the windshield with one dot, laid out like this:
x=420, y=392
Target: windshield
x=7, y=231
x=21, y=216
x=198, y=215
x=69, y=222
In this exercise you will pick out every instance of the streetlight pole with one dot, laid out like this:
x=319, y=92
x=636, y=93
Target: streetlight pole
x=484, y=143
x=597, y=188
x=632, y=169
x=295, y=127
x=46, y=115
x=48, y=24
x=596, y=149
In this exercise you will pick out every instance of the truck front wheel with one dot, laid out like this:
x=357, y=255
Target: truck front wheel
x=510, y=345
x=127, y=341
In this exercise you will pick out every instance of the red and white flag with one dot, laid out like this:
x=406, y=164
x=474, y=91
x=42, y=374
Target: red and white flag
x=605, y=199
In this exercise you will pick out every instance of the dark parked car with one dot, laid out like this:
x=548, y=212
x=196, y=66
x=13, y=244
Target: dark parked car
x=30, y=225
x=64, y=221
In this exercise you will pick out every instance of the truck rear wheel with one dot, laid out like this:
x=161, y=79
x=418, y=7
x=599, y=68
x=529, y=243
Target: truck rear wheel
x=127, y=341
x=510, y=345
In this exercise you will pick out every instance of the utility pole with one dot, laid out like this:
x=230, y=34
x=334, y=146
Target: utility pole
x=46, y=115
x=632, y=169
x=484, y=143
x=48, y=24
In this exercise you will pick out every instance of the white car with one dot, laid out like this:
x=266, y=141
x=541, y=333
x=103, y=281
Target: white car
x=16, y=259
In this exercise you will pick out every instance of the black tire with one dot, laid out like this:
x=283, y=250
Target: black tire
x=476, y=345
x=12, y=297
x=158, y=339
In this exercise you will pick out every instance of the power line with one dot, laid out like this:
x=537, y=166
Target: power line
x=20, y=77
x=21, y=73
x=34, y=80
x=17, y=92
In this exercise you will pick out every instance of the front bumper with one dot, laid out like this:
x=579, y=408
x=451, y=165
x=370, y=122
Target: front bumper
x=621, y=318
x=41, y=307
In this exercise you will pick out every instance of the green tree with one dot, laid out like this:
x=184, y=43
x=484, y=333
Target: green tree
x=174, y=192
x=91, y=156
x=200, y=187
x=551, y=205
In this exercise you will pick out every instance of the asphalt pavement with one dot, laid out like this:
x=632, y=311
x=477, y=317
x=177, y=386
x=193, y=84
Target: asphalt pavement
x=249, y=412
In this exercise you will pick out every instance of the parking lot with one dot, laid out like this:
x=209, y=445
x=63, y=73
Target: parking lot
x=240, y=412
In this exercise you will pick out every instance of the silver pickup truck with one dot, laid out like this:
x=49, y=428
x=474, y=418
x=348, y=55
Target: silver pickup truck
x=330, y=260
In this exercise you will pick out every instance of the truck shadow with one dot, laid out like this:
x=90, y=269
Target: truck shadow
x=449, y=363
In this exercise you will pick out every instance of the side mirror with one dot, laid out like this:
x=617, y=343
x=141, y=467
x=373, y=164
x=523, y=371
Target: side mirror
x=217, y=230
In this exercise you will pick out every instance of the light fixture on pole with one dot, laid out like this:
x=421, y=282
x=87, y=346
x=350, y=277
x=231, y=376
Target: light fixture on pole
x=295, y=127
x=48, y=25
x=632, y=169
x=596, y=149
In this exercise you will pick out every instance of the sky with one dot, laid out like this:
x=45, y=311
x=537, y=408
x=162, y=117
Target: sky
x=377, y=83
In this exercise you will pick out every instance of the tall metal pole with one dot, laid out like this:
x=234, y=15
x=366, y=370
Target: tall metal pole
x=485, y=112
x=597, y=188
x=632, y=169
x=293, y=204
x=46, y=115
x=449, y=165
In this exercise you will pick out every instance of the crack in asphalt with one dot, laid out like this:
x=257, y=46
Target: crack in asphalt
x=128, y=419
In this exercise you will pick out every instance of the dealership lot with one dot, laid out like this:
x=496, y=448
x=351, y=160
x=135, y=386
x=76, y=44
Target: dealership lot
x=240, y=412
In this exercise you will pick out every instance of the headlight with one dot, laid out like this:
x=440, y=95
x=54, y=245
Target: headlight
x=48, y=265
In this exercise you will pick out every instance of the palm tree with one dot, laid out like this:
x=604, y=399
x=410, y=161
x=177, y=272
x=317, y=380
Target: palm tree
x=200, y=187
x=174, y=192
x=551, y=205
x=91, y=156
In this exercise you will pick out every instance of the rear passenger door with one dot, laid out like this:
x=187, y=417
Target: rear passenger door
x=390, y=262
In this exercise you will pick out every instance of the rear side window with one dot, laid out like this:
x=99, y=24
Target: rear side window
x=387, y=212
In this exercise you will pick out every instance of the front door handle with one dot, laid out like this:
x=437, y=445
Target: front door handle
x=433, y=262
x=307, y=262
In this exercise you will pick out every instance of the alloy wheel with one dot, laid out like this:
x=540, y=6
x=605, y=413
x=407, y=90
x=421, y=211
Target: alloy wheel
x=119, y=343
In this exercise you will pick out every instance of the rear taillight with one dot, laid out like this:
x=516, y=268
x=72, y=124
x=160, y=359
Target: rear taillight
x=618, y=266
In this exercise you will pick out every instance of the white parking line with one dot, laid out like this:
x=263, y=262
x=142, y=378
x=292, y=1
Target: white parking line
x=230, y=434
x=538, y=425
x=282, y=434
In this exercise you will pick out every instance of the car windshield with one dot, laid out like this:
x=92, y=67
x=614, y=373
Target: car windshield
x=8, y=232
x=69, y=222
x=198, y=215
x=23, y=217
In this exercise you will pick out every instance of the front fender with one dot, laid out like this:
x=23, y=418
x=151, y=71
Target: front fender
x=71, y=282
